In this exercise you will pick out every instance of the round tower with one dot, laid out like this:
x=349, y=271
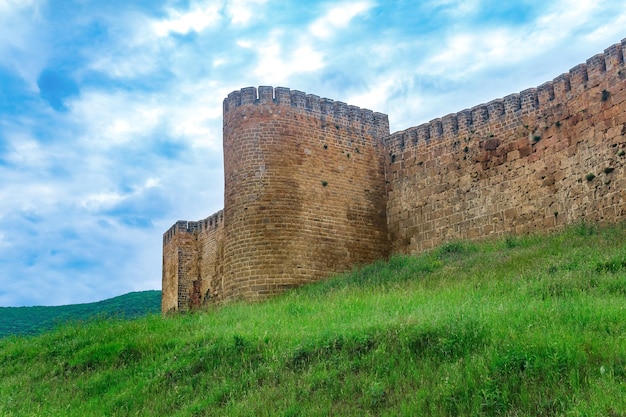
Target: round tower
x=304, y=190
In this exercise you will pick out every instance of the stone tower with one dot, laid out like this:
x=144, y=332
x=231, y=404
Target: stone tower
x=304, y=189
x=304, y=198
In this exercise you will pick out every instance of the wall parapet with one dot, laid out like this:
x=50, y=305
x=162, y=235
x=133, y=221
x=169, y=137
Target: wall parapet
x=281, y=96
x=525, y=103
x=187, y=226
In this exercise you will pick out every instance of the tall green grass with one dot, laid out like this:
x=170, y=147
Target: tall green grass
x=520, y=326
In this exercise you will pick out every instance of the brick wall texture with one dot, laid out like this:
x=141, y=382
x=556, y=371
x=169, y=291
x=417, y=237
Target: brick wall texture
x=314, y=186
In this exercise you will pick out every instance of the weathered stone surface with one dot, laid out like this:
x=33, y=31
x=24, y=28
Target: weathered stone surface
x=314, y=186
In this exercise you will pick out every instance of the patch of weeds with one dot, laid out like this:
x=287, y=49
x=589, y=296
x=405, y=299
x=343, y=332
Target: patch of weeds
x=456, y=248
x=584, y=229
x=324, y=183
x=466, y=149
x=621, y=152
x=608, y=170
x=357, y=150
x=511, y=242
x=536, y=138
x=618, y=288
x=612, y=266
x=558, y=123
x=375, y=395
x=323, y=350
x=590, y=176
x=447, y=342
x=605, y=95
x=325, y=146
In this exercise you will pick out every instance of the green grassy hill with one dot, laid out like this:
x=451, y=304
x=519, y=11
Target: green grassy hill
x=35, y=320
x=528, y=326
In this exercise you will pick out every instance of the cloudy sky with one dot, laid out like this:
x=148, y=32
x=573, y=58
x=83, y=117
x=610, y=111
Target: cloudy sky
x=110, y=110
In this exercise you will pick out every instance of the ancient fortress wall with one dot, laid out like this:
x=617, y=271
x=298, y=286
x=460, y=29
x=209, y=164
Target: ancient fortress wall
x=304, y=189
x=537, y=160
x=192, y=263
x=314, y=186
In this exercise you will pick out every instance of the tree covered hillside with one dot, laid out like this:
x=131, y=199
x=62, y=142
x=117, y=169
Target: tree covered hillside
x=35, y=320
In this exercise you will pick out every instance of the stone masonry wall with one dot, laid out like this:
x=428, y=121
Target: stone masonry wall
x=192, y=257
x=537, y=160
x=304, y=189
x=314, y=186
x=211, y=253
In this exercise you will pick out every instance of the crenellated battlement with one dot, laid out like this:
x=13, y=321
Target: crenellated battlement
x=511, y=109
x=342, y=113
x=186, y=226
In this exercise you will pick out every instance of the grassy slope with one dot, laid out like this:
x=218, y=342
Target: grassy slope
x=35, y=320
x=520, y=326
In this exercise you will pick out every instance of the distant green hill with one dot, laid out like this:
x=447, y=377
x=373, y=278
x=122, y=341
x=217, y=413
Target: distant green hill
x=35, y=320
x=517, y=326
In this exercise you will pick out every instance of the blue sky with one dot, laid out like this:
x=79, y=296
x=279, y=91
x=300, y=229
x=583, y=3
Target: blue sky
x=110, y=111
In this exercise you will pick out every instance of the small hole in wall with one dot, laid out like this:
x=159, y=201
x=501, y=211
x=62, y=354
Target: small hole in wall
x=325, y=146
x=605, y=95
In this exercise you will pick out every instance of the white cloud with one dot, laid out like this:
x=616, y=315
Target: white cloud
x=8, y=6
x=193, y=116
x=338, y=17
x=20, y=35
x=4, y=241
x=473, y=50
x=101, y=200
x=104, y=200
x=465, y=53
x=611, y=30
x=454, y=8
x=196, y=20
x=242, y=11
x=117, y=118
x=375, y=97
x=276, y=64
